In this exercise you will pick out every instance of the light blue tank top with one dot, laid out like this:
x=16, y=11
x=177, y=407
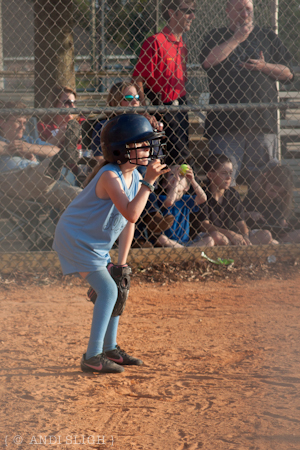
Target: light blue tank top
x=90, y=226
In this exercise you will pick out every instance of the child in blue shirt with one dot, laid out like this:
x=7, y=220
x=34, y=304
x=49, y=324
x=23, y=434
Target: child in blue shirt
x=174, y=199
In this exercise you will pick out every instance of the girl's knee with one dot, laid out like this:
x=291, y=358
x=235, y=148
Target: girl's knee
x=261, y=237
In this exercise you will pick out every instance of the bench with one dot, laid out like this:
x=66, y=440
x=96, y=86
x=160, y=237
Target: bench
x=289, y=133
x=294, y=165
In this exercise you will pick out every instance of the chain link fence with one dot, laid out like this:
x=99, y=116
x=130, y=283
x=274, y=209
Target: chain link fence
x=226, y=94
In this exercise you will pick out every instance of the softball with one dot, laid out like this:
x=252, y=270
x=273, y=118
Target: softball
x=183, y=169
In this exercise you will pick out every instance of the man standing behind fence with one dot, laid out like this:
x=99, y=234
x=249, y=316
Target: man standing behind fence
x=243, y=63
x=160, y=74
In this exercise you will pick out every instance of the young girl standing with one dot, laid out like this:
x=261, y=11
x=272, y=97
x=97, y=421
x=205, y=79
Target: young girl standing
x=106, y=210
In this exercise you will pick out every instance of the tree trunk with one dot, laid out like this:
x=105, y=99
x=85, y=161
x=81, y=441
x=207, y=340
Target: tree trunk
x=53, y=47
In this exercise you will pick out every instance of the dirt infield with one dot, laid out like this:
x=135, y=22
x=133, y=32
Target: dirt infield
x=221, y=369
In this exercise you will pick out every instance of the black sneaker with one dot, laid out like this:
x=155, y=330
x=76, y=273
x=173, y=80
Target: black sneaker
x=120, y=357
x=100, y=364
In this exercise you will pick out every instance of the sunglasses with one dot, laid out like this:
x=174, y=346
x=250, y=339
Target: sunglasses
x=70, y=103
x=187, y=11
x=129, y=98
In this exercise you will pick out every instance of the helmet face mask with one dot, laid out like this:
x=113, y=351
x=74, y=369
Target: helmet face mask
x=120, y=136
x=154, y=146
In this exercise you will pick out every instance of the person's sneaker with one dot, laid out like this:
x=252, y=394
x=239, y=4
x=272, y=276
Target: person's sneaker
x=100, y=364
x=120, y=357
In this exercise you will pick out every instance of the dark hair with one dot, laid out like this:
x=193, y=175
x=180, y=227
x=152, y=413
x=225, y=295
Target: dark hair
x=172, y=4
x=277, y=175
x=11, y=105
x=94, y=172
x=215, y=161
x=53, y=98
x=55, y=94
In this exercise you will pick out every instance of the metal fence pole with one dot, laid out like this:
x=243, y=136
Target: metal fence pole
x=274, y=19
x=1, y=48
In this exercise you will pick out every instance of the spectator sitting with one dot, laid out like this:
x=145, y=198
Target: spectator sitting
x=175, y=200
x=23, y=176
x=268, y=204
x=222, y=216
x=52, y=129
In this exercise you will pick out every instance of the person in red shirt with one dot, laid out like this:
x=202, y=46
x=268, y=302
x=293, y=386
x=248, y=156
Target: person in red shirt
x=160, y=74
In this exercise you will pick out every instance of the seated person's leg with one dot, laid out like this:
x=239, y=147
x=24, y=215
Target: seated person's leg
x=202, y=240
x=219, y=238
x=260, y=237
x=60, y=195
x=164, y=241
x=27, y=183
x=292, y=237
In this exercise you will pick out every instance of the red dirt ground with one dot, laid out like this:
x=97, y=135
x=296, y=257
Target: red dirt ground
x=221, y=368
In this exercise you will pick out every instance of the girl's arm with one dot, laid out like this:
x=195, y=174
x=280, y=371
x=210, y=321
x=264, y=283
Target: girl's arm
x=125, y=240
x=176, y=188
x=244, y=231
x=200, y=194
x=109, y=186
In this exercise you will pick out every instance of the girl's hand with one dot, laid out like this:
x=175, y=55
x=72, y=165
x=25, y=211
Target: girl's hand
x=283, y=223
x=238, y=239
x=154, y=123
x=256, y=216
x=189, y=174
x=154, y=170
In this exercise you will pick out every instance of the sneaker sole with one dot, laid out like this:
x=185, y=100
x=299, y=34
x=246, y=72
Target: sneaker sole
x=92, y=369
x=121, y=363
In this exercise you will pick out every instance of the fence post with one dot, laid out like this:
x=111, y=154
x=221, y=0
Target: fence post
x=1, y=48
x=274, y=12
